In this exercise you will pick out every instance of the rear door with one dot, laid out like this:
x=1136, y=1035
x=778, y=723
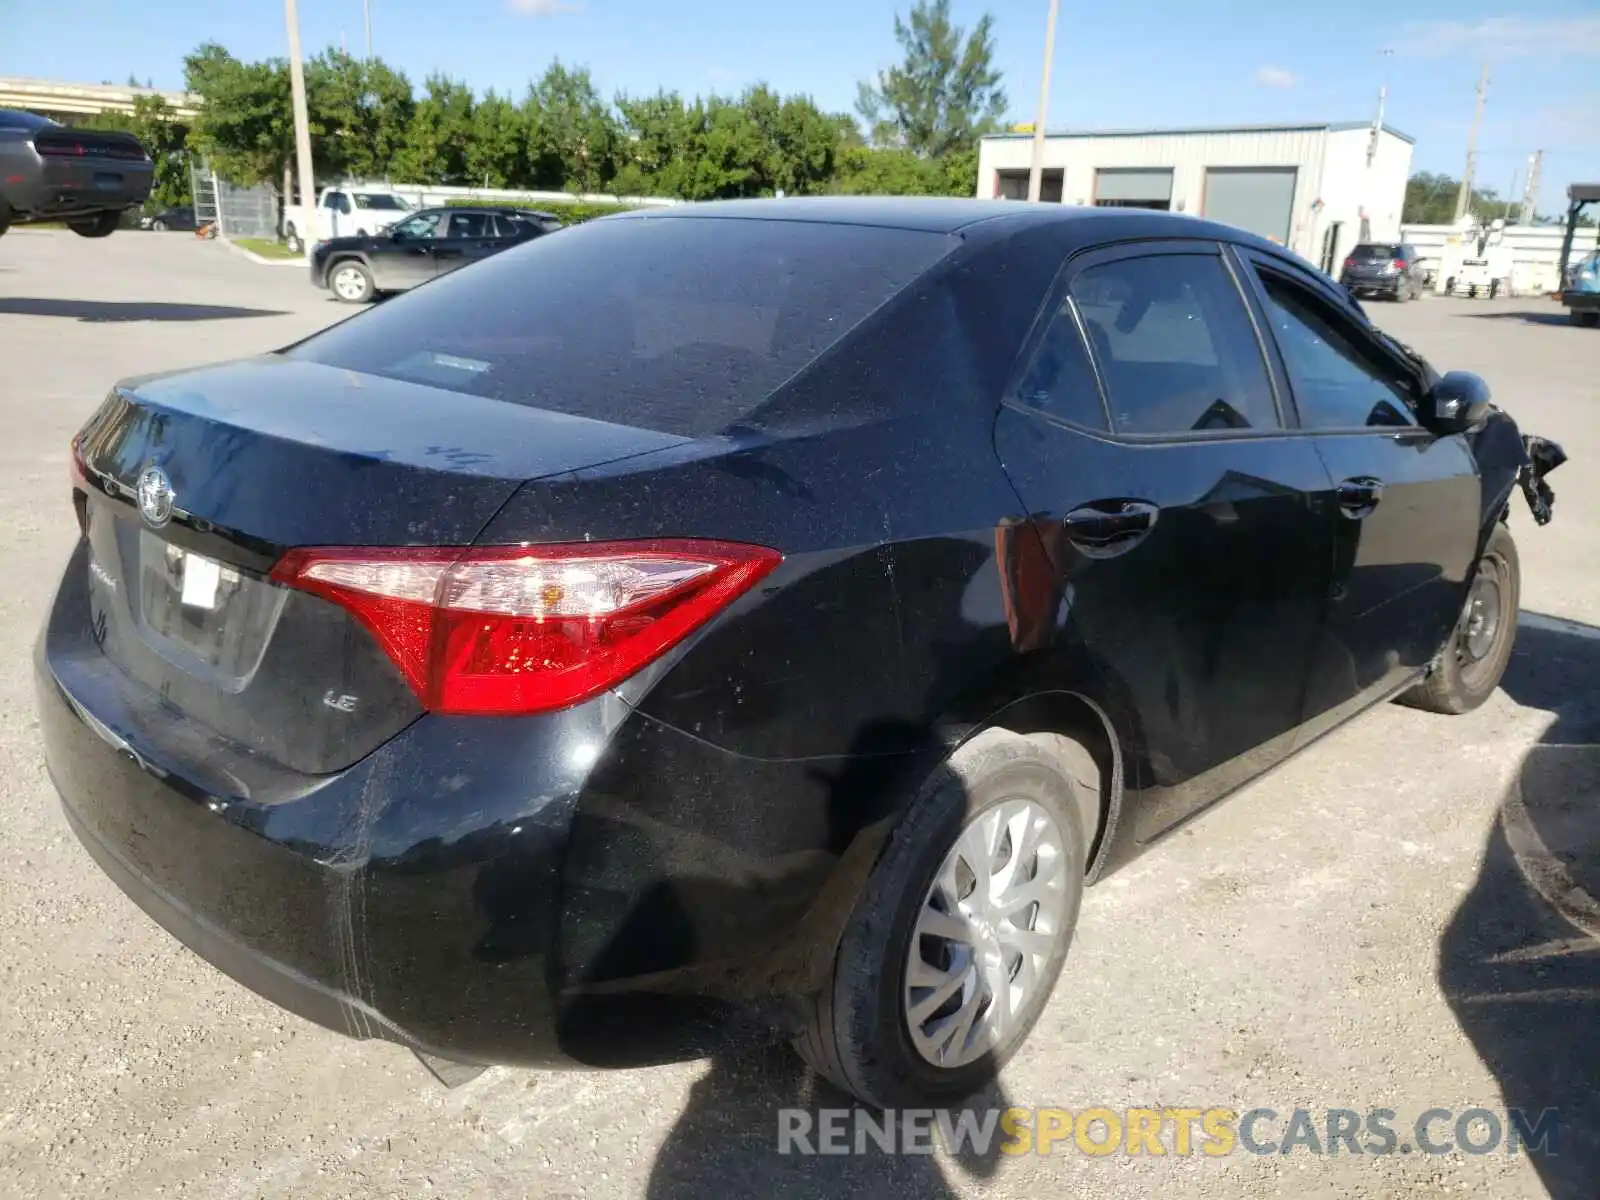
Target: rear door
x=1177, y=513
x=469, y=236
x=1407, y=501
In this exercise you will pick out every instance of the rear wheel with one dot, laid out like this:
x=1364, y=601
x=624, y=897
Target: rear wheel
x=98, y=226
x=291, y=239
x=1580, y=317
x=1479, y=648
x=962, y=929
x=351, y=282
x=158, y=225
x=5, y=217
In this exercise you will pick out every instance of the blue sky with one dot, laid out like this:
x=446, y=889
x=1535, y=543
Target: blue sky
x=1153, y=62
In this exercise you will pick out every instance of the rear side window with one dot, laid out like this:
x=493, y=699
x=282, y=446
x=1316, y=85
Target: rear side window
x=680, y=325
x=1059, y=379
x=1175, y=345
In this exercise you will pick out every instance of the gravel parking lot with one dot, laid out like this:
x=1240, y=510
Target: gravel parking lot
x=1361, y=929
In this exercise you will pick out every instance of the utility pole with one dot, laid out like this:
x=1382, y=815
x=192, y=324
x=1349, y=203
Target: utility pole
x=1383, y=94
x=302, y=129
x=366, y=13
x=1036, y=171
x=1530, y=190
x=1464, y=195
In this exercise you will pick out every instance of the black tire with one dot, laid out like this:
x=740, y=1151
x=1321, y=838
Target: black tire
x=158, y=225
x=856, y=1035
x=1462, y=681
x=353, y=269
x=291, y=239
x=98, y=226
x=1581, y=317
x=1402, y=294
x=5, y=217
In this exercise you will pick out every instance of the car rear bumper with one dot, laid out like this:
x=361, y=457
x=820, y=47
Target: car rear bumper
x=1372, y=286
x=53, y=188
x=587, y=887
x=1581, y=301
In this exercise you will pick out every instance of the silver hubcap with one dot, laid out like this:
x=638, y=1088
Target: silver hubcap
x=1481, y=620
x=986, y=931
x=349, y=284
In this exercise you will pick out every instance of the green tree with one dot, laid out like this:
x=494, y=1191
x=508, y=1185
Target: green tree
x=362, y=111
x=435, y=144
x=945, y=95
x=244, y=126
x=495, y=144
x=1431, y=200
x=571, y=134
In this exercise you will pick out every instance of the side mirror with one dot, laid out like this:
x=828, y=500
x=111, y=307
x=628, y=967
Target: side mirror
x=1458, y=403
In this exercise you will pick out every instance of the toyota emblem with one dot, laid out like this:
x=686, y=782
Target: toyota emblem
x=155, y=497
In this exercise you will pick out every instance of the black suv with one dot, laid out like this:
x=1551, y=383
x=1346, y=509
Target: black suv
x=1390, y=269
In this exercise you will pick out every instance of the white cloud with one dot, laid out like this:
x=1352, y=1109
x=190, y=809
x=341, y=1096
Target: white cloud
x=1275, y=77
x=542, y=8
x=1505, y=37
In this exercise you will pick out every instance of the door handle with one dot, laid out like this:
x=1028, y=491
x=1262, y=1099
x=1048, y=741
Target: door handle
x=1108, y=528
x=1359, y=496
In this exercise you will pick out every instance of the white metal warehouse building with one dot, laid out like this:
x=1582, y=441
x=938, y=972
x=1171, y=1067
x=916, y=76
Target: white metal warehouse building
x=1317, y=189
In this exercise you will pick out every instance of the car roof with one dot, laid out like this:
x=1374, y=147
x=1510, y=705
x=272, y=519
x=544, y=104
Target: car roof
x=969, y=218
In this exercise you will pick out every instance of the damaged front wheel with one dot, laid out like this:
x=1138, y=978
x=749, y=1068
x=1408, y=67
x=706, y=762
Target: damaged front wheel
x=1479, y=648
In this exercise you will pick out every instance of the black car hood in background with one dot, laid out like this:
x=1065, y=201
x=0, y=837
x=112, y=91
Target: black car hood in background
x=287, y=452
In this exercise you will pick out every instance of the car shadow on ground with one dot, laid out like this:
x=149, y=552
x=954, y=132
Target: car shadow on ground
x=114, y=311
x=1519, y=962
x=1526, y=316
x=726, y=1141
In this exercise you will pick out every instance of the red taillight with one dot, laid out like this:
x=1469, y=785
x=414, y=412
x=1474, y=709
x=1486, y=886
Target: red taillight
x=505, y=630
x=1349, y=262
x=1399, y=264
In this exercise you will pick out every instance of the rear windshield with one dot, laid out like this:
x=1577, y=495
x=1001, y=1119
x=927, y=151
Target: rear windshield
x=1375, y=251
x=390, y=203
x=683, y=326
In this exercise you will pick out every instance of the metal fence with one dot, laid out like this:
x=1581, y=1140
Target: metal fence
x=238, y=212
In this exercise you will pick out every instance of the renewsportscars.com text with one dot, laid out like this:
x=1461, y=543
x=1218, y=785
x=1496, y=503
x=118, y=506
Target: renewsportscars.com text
x=1210, y=1132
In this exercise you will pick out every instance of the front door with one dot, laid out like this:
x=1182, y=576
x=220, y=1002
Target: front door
x=404, y=257
x=1406, y=503
x=1177, y=513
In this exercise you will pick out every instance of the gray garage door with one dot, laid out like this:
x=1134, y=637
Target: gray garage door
x=1260, y=199
x=1124, y=187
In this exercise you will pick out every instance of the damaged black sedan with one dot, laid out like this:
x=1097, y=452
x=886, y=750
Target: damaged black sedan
x=765, y=616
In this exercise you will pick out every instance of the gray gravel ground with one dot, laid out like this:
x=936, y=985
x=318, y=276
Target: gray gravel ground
x=1352, y=931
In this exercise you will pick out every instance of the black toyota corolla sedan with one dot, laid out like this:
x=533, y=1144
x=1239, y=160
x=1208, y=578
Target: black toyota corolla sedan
x=752, y=618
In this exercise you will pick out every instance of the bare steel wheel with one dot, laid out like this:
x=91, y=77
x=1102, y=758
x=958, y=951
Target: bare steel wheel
x=986, y=932
x=1475, y=657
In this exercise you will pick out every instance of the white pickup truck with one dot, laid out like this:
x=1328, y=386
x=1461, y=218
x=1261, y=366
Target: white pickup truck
x=348, y=210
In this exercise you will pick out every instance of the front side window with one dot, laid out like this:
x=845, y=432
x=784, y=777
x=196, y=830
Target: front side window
x=379, y=201
x=423, y=226
x=1340, y=380
x=1175, y=346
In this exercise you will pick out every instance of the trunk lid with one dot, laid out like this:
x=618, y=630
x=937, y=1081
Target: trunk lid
x=194, y=486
